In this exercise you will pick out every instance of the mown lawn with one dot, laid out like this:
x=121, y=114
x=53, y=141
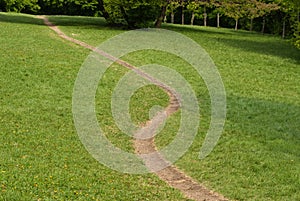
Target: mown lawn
x=257, y=157
x=42, y=157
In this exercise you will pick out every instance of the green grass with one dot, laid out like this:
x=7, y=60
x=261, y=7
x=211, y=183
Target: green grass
x=41, y=155
x=257, y=157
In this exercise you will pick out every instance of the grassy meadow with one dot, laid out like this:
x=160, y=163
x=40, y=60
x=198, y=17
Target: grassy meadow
x=41, y=155
x=42, y=158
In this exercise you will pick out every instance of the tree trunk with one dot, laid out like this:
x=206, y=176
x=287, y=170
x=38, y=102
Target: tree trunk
x=298, y=20
x=182, y=11
x=182, y=16
x=218, y=20
x=263, y=25
x=172, y=17
x=236, y=24
x=205, y=17
x=161, y=17
x=251, y=25
x=283, y=29
x=192, y=19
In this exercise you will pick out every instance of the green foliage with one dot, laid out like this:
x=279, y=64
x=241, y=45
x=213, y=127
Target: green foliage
x=255, y=8
x=29, y=6
x=297, y=37
x=142, y=13
x=172, y=6
x=132, y=13
x=234, y=9
x=70, y=7
x=291, y=9
x=195, y=7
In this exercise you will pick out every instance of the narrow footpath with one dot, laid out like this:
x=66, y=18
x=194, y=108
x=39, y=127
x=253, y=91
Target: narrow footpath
x=171, y=175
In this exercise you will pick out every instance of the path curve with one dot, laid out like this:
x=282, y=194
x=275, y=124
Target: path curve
x=171, y=175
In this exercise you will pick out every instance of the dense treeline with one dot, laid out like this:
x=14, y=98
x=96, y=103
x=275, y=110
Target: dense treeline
x=51, y=7
x=268, y=16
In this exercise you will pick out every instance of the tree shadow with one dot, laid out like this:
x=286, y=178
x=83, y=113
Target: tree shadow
x=274, y=124
x=78, y=21
x=20, y=19
x=237, y=39
x=197, y=29
x=244, y=40
x=279, y=48
x=85, y=22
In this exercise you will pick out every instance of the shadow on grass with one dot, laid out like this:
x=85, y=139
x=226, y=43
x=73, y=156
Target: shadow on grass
x=78, y=21
x=212, y=30
x=244, y=40
x=187, y=29
x=20, y=19
x=274, y=124
x=89, y=22
x=278, y=48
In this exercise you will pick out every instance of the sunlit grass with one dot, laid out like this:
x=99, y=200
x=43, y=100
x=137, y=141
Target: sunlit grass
x=257, y=157
x=41, y=155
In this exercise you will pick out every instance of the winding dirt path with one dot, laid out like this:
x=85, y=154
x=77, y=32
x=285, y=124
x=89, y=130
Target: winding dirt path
x=171, y=175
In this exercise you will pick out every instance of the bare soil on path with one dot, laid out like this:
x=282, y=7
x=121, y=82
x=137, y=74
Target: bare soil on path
x=171, y=174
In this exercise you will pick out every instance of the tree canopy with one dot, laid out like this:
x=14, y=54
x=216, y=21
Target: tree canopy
x=132, y=13
x=270, y=16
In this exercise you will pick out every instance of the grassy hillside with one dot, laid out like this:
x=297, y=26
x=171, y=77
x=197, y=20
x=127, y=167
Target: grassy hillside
x=257, y=157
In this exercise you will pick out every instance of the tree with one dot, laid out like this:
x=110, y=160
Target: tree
x=296, y=6
x=297, y=38
x=292, y=10
x=234, y=9
x=205, y=4
x=264, y=9
x=70, y=7
x=255, y=9
x=102, y=9
x=219, y=9
x=172, y=7
x=132, y=13
x=182, y=4
x=29, y=6
x=193, y=6
x=162, y=16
